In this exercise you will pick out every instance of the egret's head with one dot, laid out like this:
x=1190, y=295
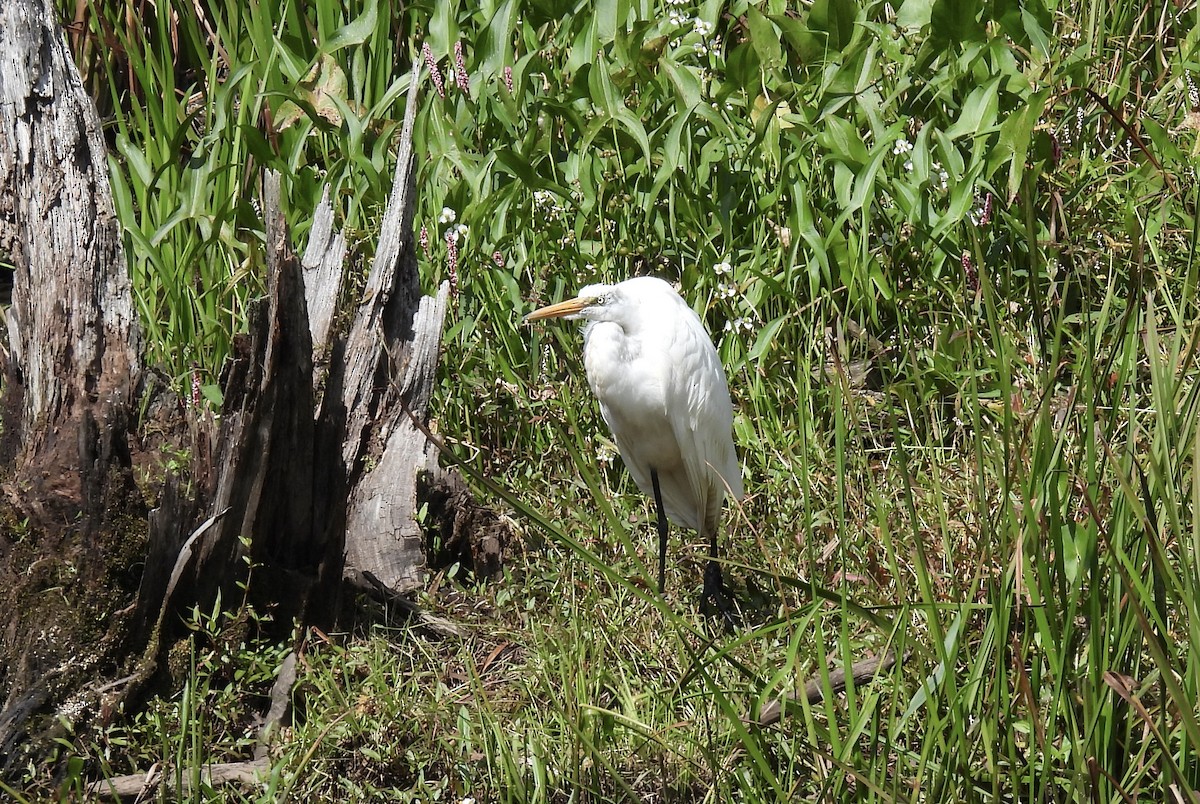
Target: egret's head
x=618, y=302
x=594, y=302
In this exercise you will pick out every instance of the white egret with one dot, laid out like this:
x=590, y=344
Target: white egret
x=662, y=392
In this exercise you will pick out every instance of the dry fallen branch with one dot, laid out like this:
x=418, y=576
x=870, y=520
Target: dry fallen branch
x=379, y=591
x=141, y=786
x=861, y=672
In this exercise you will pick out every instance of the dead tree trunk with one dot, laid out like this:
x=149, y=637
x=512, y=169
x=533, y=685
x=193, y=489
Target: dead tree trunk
x=72, y=334
x=70, y=373
x=291, y=480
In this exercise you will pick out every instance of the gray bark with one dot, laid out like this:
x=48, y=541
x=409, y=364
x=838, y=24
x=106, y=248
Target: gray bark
x=69, y=378
x=324, y=263
x=291, y=484
x=387, y=367
x=73, y=336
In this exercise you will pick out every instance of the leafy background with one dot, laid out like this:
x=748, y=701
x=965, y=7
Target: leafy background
x=948, y=252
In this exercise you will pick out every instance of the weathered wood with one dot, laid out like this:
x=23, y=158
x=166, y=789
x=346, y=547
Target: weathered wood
x=463, y=532
x=281, y=704
x=291, y=489
x=362, y=380
x=73, y=335
x=387, y=362
x=264, y=464
x=70, y=373
x=324, y=264
x=142, y=786
x=860, y=672
x=169, y=531
x=382, y=533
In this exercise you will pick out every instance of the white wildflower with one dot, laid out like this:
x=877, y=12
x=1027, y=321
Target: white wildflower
x=941, y=176
x=547, y=202
x=448, y=215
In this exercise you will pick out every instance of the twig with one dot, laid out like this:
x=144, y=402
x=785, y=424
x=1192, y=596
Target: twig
x=377, y=589
x=149, y=661
x=136, y=785
x=861, y=672
x=281, y=704
x=141, y=786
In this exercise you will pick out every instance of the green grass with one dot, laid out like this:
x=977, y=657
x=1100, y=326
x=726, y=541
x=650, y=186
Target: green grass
x=1010, y=503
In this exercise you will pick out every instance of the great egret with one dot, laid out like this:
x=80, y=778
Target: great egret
x=663, y=394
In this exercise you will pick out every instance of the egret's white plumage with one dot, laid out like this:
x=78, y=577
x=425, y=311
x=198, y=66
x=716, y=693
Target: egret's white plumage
x=662, y=392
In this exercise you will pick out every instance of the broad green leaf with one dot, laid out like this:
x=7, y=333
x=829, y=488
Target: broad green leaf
x=840, y=137
x=807, y=45
x=764, y=37
x=442, y=31
x=1035, y=32
x=914, y=14
x=685, y=82
x=954, y=22
x=496, y=42
x=978, y=113
x=836, y=18
x=610, y=16
x=864, y=184
x=1016, y=135
x=136, y=160
x=636, y=130
x=356, y=31
x=766, y=338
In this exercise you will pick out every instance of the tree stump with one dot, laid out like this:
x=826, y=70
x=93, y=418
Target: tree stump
x=310, y=476
x=74, y=526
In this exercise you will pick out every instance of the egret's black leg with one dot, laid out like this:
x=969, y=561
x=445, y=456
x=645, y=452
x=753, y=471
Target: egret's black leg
x=662, y=532
x=714, y=585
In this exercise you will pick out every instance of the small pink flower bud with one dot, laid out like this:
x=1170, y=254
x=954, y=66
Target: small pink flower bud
x=434, y=72
x=969, y=270
x=452, y=261
x=460, y=68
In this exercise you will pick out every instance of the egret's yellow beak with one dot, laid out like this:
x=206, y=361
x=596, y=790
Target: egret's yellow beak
x=569, y=307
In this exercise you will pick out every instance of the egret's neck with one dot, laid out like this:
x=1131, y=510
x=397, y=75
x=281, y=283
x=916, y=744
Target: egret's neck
x=607, y=348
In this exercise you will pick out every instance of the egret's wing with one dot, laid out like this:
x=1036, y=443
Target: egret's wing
x=703, y=421
x=632, y=398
